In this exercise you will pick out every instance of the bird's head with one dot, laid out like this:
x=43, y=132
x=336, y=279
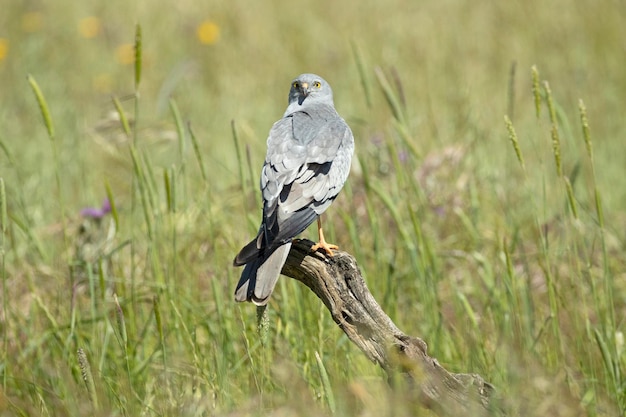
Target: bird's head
x=309, y=87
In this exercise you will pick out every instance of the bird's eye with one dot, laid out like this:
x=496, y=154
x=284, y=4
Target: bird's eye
x=317, y=84
x=296, y=85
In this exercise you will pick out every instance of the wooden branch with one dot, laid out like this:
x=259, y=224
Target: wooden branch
x=339, y=284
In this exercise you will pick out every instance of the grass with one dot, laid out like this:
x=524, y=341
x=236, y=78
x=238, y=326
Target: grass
x=485, y=205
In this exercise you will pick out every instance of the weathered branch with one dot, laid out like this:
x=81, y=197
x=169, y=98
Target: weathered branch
x=339, y=284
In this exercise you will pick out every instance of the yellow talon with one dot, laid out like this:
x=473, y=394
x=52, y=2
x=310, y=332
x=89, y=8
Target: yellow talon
x=322, y=244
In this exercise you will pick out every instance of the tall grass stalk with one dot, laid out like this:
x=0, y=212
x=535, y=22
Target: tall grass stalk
x=514, y=141
x=394, y=102
x=85, y=370
x=150, y=182
x=3, y=272
x=371, y=212
x=611, y=357
x=47, y=119
x=326, y=387
x=263, y=324
x=170, y=192
x=122, y=115
x=43, y=107
x=25, y=224
x=546, y=262
x=521, y=323
x=111, y=199
x=138, y=67
x=198, y=154
x=251, y=174
x=93, y=298
x=598, y=207
x=123, y=340
x=180, y=133
x=536, y=90
x=397, y=105
x=142, y=186
x=240, y=161
x=159, y=324
x=360, y=65
x=570, y=197
x=556, y=139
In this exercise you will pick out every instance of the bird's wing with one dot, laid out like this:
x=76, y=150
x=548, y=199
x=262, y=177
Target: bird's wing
x=301, y=177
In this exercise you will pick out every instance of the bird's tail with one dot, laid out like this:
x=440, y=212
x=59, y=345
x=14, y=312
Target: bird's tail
x=259, y=276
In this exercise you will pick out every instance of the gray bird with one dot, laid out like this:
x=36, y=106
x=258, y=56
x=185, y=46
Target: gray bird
x=308, y=160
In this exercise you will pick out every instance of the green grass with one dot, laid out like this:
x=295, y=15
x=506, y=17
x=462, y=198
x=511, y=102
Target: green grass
x=485, y=206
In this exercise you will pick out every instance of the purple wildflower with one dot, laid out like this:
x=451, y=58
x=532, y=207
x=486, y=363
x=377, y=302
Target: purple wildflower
x=97, y=213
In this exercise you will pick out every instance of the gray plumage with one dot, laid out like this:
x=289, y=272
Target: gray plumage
x=308, y=160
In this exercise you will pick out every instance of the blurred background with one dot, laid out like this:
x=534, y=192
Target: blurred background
x=515, y=273
x=233, y=61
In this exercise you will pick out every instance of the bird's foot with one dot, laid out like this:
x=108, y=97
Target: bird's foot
x=326, y=247
x=322, y=244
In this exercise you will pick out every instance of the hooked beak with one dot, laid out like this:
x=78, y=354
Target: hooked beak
x=304, y=92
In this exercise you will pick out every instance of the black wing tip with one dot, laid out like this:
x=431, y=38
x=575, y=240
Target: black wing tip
x=238, y=262
x=248, y=253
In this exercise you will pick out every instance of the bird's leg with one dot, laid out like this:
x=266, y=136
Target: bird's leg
x=322, y=244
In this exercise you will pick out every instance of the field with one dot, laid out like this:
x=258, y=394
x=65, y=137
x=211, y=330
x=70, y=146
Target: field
x=486, y=205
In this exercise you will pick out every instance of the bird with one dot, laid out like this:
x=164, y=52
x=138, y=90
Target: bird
x=309, y=154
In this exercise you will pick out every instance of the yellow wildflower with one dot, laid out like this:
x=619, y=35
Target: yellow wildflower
x=89, y=27
x=208, y=32
x=125, y=53
x=4, y=48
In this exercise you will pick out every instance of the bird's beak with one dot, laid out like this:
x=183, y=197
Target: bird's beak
x=304, y=92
